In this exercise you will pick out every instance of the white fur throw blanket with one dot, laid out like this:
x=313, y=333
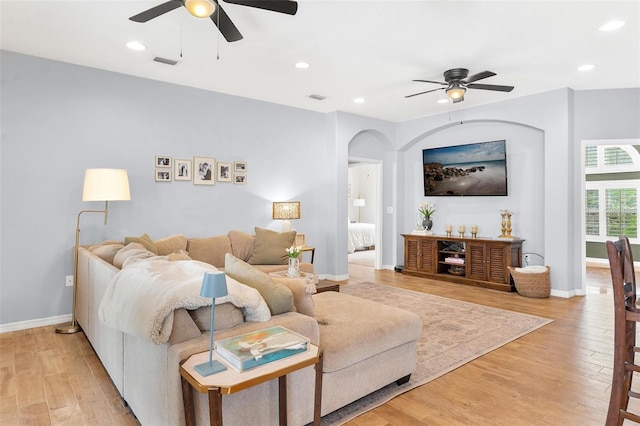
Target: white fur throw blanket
x=141, y=298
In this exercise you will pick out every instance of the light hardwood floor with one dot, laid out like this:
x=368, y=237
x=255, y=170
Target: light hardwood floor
x=557, y=375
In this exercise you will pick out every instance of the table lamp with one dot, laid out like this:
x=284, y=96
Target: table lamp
x=286, y=210
x=359, y=202
x=99, y=185
x=214, y=284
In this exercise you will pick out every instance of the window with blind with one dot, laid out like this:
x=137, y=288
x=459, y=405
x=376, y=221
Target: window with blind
x=612, y=210
x=622, y=212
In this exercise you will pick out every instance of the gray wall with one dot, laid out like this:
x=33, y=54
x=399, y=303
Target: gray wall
x=59, y=119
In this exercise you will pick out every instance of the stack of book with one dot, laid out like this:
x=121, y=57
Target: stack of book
x=455, y=260
x=260, y=347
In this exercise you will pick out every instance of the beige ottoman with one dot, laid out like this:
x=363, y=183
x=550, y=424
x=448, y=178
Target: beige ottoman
x=366, y=346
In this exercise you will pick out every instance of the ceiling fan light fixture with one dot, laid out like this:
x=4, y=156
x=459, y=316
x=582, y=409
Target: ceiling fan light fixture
x=455, y=91
x=200, y=8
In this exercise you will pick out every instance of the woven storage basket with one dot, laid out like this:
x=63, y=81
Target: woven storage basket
x=536, y=284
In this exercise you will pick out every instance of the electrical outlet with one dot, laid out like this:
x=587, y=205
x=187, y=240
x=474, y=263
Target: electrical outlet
x=69, y=280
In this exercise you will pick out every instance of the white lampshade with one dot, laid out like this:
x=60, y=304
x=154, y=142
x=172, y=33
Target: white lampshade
x=200, y=8
x=359, y=202
x=106, y=185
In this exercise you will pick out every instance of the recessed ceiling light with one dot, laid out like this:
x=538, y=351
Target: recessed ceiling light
x=302, y=65
x=586, y=67
x=610, y=26
x=443, y=101
x=136, y=45
x=358, y=100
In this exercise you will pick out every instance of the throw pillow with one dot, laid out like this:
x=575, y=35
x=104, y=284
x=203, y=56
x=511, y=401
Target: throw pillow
x=269, y=247
x=241, y=244
x=302, y=292
x=106, y=252
x=183, y=328
x=209, y=250
x=278, y=297
x=143, y=239
x=171, y=244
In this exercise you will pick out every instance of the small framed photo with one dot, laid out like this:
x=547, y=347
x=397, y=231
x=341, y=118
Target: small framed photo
x=240, y=166
x=163, y=175
x=240, y=178
x=203, y=169
x=224, y=172
x=182, y=170
x=163, y=161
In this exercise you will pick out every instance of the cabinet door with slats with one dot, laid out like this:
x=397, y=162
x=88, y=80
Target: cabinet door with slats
x=411, y=254
x=476, y=262
x=497, y=270
x=428, y=256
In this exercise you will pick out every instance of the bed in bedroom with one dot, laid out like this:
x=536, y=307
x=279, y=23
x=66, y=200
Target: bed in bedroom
x=361, y=236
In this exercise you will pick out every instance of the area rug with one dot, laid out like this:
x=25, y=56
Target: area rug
x=453, y=333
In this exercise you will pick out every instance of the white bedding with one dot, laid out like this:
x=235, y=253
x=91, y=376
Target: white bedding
x=361, y=235
x=141, y=298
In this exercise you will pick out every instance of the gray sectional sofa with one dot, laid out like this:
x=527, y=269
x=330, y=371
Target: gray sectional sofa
x=366, y=345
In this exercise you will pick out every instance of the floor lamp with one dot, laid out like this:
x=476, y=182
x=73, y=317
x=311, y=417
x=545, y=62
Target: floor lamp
x=99, y=185
x=359, y=202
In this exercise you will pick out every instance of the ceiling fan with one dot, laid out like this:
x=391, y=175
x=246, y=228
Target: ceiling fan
x=211, y=9
x=457, y=86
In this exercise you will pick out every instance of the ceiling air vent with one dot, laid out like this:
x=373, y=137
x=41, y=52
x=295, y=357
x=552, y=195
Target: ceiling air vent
x=165, y=61
x=317, y=97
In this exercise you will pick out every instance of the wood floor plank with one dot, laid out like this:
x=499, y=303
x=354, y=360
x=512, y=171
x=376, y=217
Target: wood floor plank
x=29, y=388
x=559, y=374
x=34, y=415
x=8, y=411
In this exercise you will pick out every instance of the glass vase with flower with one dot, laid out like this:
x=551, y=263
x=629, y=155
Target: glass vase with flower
x=293, y=271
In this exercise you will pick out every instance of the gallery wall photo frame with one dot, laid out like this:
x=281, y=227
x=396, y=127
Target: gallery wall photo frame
x=203, y=170
x=240, y=166
x=163, y=161
x=240, y=178
x=162, y=175
x=182, y=170
x=224, y=172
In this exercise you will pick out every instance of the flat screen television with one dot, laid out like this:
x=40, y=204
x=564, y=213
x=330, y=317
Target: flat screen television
x=477, y=169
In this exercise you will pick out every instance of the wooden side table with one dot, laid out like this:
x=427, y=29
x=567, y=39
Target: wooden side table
x=311, y=249
x=230, y=381
x=325, y=285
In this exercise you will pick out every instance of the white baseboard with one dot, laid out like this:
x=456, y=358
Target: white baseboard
x=335, y=277
x=567, y=294
x=24, y=325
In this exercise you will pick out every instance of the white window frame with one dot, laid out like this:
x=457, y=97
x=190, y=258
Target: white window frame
x=602, y=168
x=601, y=187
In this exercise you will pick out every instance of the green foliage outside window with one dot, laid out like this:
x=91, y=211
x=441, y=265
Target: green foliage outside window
x=622, y=218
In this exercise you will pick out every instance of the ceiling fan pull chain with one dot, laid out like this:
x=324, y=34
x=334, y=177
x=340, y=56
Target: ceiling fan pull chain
x=181, y=39
x=218, y=47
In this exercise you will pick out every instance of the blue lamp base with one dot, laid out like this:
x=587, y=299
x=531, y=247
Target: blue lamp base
x=208, y=368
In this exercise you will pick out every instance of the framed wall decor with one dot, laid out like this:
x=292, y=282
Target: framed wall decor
x=224, y=172
x=240, y=166
x=163, y=175
x=182, y=170
x=240, y=178
x=203, y=169
x=163, y=161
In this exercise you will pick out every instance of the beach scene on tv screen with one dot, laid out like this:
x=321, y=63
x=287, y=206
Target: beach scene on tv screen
x=475, y=169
